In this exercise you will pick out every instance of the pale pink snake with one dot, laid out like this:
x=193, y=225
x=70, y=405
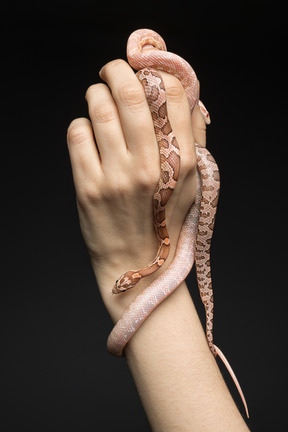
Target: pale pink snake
x=196, y=233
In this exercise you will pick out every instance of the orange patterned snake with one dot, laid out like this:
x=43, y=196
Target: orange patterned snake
x=196, y=233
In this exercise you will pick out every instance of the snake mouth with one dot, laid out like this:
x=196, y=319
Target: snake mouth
x=148, y=46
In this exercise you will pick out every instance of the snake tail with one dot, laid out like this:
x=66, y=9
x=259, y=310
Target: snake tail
x=233, y=376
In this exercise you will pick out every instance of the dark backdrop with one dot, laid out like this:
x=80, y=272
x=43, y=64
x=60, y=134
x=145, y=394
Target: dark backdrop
x=56, y=373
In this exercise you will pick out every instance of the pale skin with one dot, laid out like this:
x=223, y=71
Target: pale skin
x=115, y=164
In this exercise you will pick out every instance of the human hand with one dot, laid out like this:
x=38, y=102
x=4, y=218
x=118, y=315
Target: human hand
x=116, y=167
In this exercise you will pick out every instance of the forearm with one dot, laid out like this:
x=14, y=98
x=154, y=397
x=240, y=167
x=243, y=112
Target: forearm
x=176, y=375
x=174, y=371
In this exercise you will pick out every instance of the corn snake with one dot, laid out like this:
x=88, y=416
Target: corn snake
x=195, y=237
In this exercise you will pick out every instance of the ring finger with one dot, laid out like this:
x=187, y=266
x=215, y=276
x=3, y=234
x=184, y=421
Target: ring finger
x=106, y=123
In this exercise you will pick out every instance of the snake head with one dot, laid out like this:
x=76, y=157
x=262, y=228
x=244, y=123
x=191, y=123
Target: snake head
x=127, y=281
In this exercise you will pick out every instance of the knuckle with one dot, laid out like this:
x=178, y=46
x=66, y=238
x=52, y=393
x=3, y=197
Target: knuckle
x=77, y=132
x=119, y=190
x=88, y=194
x=100, y=107
x=122, y=189
x=130, y=94
x=188, y=165
x=147, y=179
x=112, y=65
x=174, y=90
x=91, y=90
x=94, y=90
x=102, y=112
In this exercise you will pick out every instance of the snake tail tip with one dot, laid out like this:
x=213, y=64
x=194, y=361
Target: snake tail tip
x=233, y=376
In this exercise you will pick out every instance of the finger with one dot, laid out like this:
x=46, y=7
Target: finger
x=83, y=154
x=199, y=126
x=180, y=118
x=106, y=123
x=133, y=109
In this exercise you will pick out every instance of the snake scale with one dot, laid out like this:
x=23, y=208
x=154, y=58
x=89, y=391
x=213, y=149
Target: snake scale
x=197, y=230
x=169, y=167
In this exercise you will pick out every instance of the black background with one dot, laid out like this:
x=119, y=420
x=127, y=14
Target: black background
x=56, y=373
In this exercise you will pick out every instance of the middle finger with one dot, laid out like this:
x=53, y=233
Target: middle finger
x=133, y=109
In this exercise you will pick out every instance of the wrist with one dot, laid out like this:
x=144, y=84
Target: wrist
x=117, y=304
x=107, y=273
